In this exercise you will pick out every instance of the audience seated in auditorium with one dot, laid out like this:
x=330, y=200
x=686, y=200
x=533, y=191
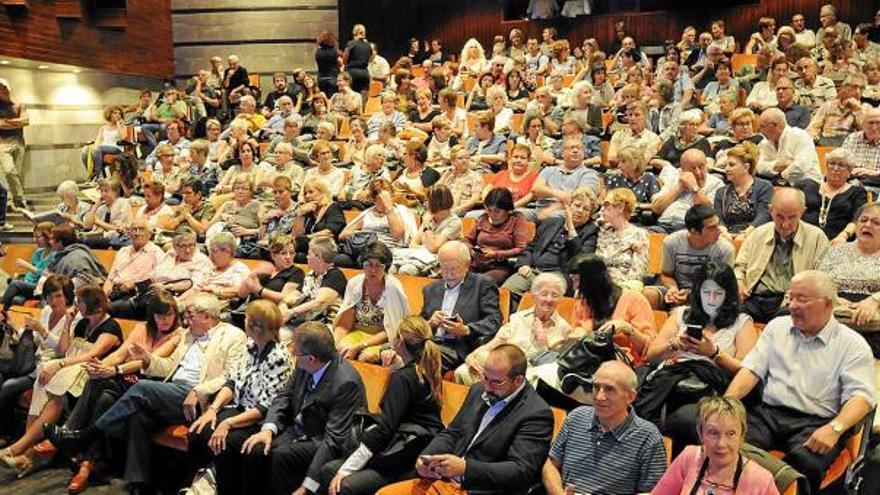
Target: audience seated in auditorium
x=373, y=306
x=832, y=205
x=462, y=308
x=718, y=460
x=774, y=252
x=499, y=448
x=555, y=183
x=226, y=273
x=693, y=185
x=499, y=235
x=111, y=377
x=322, y=288
x=272, y=281
x=415, y=176
x=557, y=241
x=109, y=218
x=133, y=266
x=438, y=226
x=20, y=289
x=73, y=259
x=325, y=170
x=91, y=336
x=488, y=150
x=706, y=339
x=795, y=115
x=317, y=216
x=540, y=332
x=106, y=142
x=800, y=413
x=394, y=225
x=411, y=404
x=235, y=412
x=606, y=447
x=864, y=146
x=744, y=202
x=687, y=137
x=277, y=216
x=813, y=89
x=837, y=118
x=635, y=135
x=189, y=379
x=685, y=252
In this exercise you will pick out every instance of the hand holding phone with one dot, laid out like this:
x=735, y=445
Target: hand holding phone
x=694, y=331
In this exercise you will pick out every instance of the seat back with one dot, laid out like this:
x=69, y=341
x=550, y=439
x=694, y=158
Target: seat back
x=14, y=252
x=565, y=308
x=375, y=380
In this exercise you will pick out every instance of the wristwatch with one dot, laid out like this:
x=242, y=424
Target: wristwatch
x=836, y=426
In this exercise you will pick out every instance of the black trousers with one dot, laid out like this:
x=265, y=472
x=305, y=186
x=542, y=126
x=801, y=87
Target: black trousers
x=781, y=428
x=97, y=397
x=202, y=455
x=280, y=472
x=364, y=482
x=764, y=307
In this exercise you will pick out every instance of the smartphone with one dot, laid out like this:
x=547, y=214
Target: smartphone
x=694, y=331
x=477, y=249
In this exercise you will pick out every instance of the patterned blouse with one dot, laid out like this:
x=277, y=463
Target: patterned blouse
x=738, y=211
x=625, y=252
x=368, y=316
x=467, y=185
x=644, y=188
x=854, y=273
x=260, y=376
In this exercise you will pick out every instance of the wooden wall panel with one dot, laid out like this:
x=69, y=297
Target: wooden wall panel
x=61, y=31
x=390, y=23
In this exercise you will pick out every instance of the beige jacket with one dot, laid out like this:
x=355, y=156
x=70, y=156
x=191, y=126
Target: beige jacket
x=226, y=348
x=809, y=248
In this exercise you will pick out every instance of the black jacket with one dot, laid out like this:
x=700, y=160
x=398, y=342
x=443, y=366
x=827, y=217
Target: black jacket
x=551, y=249
x=326, y=412
x=508, y=455
x=477, y=305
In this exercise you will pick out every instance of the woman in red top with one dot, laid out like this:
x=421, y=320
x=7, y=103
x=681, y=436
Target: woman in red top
x=517, y=177
x=499, y=234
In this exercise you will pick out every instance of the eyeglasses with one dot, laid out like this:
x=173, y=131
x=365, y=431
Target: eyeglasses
x=495, y=382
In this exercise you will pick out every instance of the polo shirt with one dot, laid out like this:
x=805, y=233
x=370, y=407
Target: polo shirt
x=627, y=459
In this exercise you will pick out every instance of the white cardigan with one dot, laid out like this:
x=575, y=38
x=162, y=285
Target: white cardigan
x=393, y=302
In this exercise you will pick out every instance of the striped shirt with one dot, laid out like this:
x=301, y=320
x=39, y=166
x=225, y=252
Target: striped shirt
x=628, y=459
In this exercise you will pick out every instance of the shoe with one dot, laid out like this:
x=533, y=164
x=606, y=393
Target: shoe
x=45, y=449
x=64, y=439
x=6, y=227
x=21, y=463
x=80, y=480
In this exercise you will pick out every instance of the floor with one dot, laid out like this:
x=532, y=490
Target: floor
x=51, y=481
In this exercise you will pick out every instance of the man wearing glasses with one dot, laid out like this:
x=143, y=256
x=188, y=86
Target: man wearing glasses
x=186, y=380
x=813, y=90
x=497, y=442
x=132, y=265
x=795, y=115
x=840, y=117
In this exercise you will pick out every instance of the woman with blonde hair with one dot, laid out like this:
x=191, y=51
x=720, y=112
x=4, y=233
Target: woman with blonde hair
x=744, y=202
x=317, y=216
x=238, y=408
x=717, y=463
x=410, y=405
x=326, y=171
x=472, y=60
x=622, y=245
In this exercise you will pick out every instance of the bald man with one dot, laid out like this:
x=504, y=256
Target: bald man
x=786, y=154
x=606, y=448
x=818, y=378
x=774, y=252
x=693, y=186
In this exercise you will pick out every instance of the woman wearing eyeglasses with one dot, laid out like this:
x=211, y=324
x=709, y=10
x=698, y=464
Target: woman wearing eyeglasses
x=717, y=466
x=832, y=205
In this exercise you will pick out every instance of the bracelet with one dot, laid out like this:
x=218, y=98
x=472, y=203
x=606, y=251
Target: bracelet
x=63, y=363
x=118, y=370
x=260, y=292
x=715, y=354
x=673, y=346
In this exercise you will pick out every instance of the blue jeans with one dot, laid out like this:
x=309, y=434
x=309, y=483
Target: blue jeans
x=10, y=390
x=17, y=292
x=149, y=130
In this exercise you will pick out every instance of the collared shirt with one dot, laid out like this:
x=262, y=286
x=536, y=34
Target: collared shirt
x=865, y=154
x=834, y=120
x=797, y=116
x=795, y=145
x=681, y=204
x=450, y=298
x=195, y=269
x=777, y=275
x=190, y=366
x=815, y=375
x=131, y=266
x=814, y=96
x=629, y=458
x=664, y=121
x=119, y=214
x=645, y=142
x=153, y=159
x=494, y=410
x=560, y=178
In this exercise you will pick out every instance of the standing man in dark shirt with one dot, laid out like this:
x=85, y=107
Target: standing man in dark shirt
x=234, y=77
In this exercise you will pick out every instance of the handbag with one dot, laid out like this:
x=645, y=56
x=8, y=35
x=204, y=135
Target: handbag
x=17, y=353
x=402, y=450
x=579, y=360
x=353, y=246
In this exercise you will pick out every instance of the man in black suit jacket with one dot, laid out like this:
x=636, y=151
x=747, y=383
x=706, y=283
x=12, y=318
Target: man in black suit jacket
x=307, y=426
x=497, y=442
x=462, y=308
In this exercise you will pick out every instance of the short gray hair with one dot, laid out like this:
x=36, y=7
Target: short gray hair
x=840, y=154
x=67, y=187
x=206, y=303
x=825, y=285
x=222, y=239
x=324, y=247
x=548, y=278
x=186, y=234
x=372, y=151
x=690, y=117
x=458, y=249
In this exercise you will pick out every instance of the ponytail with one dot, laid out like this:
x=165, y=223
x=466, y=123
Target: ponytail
x=429, y=368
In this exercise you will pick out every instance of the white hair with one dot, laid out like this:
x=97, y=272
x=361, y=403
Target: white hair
x=822, y=281
x=548, y=278
x=692, y=116
x=206, y=303
x=67, y=187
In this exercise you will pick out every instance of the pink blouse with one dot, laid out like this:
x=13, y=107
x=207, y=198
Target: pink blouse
x=681, y=475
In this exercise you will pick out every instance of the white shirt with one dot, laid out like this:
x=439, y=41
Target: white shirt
x=796, y=145
x=678, y=208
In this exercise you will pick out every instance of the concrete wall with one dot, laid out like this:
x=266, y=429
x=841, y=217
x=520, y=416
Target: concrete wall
x=267, y=35
x=65, y=110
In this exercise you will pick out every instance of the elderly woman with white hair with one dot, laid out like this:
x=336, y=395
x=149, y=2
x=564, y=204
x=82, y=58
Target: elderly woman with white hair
x=688, y=137
x=496, y=97
x=363, y=174
x=539, y=331
x=832, y=205
x=71, y=208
